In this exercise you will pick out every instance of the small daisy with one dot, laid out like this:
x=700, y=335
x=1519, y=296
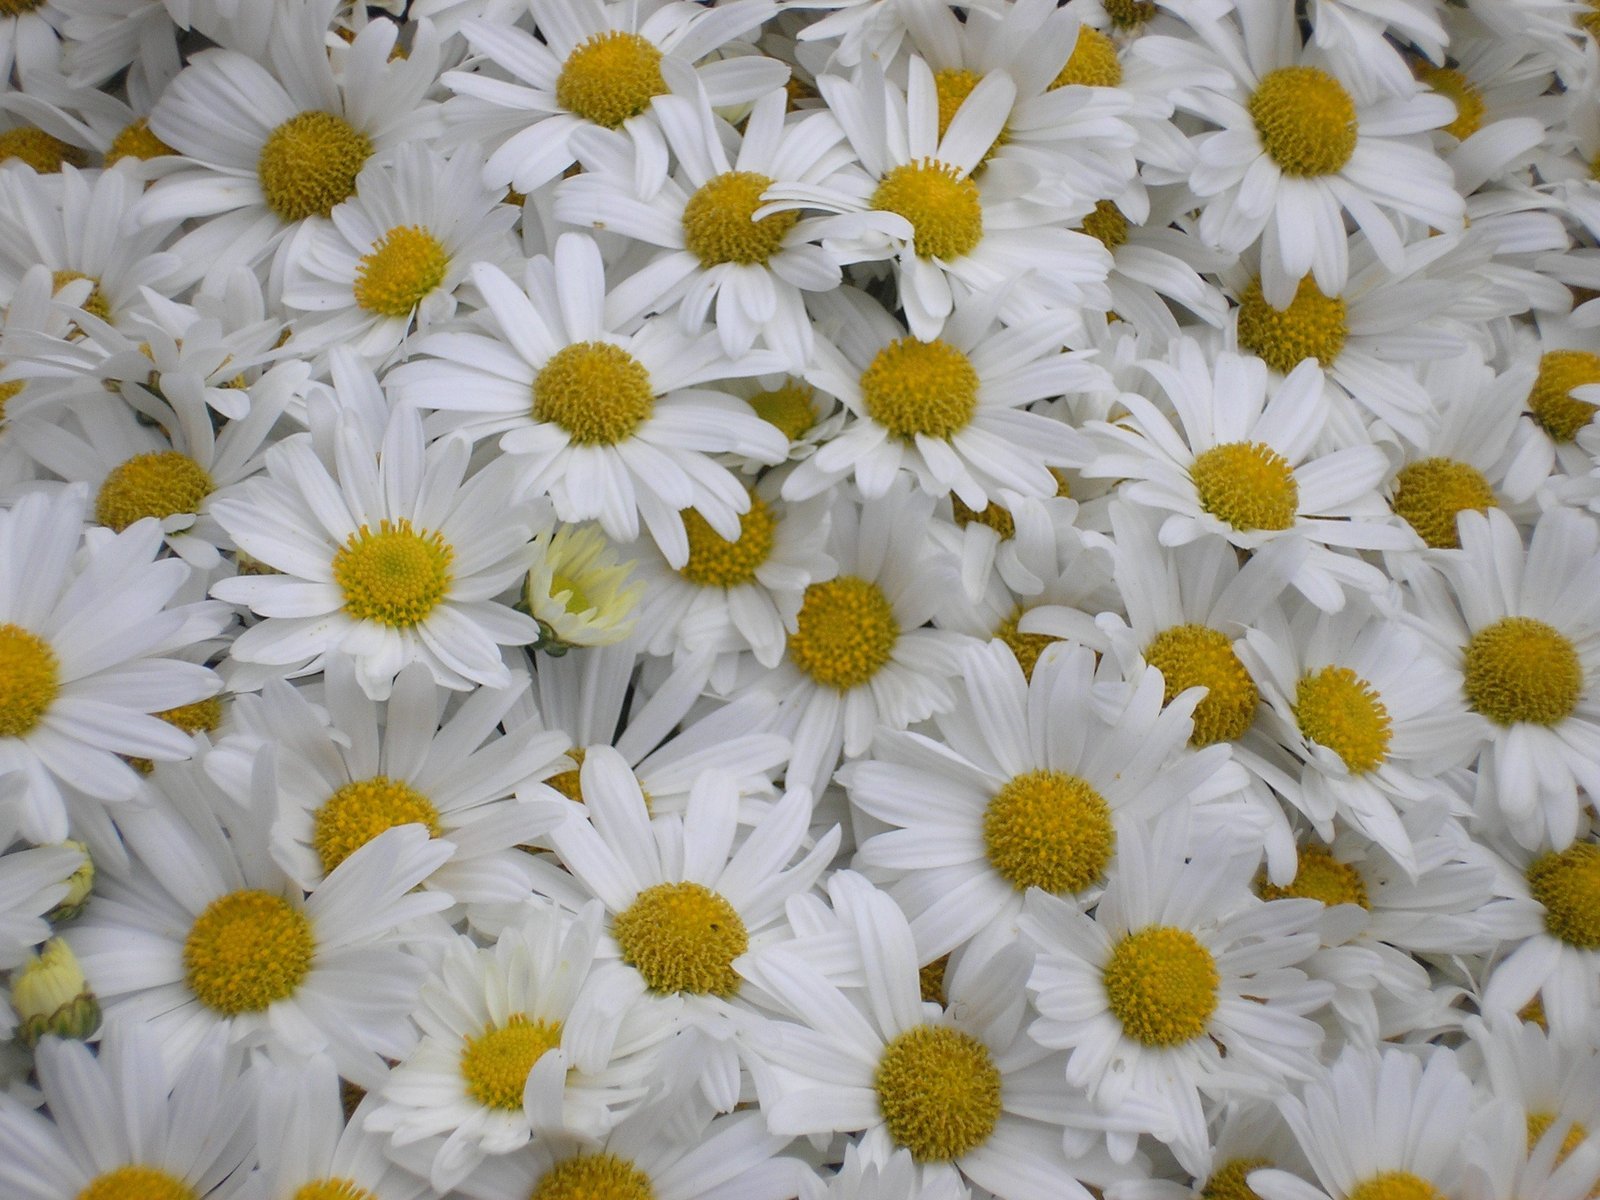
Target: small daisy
x=578, y=590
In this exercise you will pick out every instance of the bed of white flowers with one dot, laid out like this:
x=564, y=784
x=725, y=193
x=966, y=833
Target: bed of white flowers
x=800, y=600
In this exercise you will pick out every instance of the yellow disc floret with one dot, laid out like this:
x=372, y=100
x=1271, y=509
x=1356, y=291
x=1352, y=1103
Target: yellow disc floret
x=497, y=1062
x=951, y=87
x=846, y=632
x=136, y=1182
x=1230, y=1180
x=719, y=224
x=1319, y=876
x=30, y=679
x=310, y=163
x=1129, y=14
x=44, y=153
x=136, y=141
x=939, y=1092
x=1306, y=120
x=1431, y=493
x=95, y=304
x=1462, y=92
x=1540, y=1122
x=1050, y=830
x=333, y=1189
x=361, y=810
x=1520, y=669
x=569, y=783
x=990, y=515
x=1551, y=402
x=930, y=980
x=1395, y=1185
x=1313, y=326
x=161, y=484
x=1338, y=709
x=1161, y=984
x=1197, y=656
x=716, y=562
x=1567, y=883
x=941, y=203
x=610, y=77
x=246, y=951
x=593, y=1177
x=683, y=937
x=1106, y=224
x=395, y=576
x=913, y=387
x=203, y=716
x=1247, y=485
x=1025, y=647
x=1093, y=62
x=15, y=8
x=597, y=392
x=791, y=408
x=404, y=265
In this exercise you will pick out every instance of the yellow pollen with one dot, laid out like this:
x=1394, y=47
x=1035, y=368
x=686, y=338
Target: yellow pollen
x=611, y=77
x=15, y=8
x=1520, y=669
x=719, y=224
x=792, y=408
x=990, y=515
x=30, y=678
x=568, y=782
x=1567, y=883
x=396, y=576
x=942, y=205
x=9, y=390
x=930, y=980
x=846, y=632
x=360, y=811
x=1588, y=18
x=1395, y=1185
x=1319, y=876
x=597, y=392
x=1431, y=493
x=496, y=1064
x=405, y=265
x=246, y=951
x=310, y=163
x=1554, y=408
x=203, y=716
x=1228, y=1182
x=1576, y=1135
x=45, y=154
x=96, y=305
x=1306, y=120
x=1533, y=1013
x=939, y=1092
x=913, y=387
x=1338, y=709
x=1247, y=485
x=1451, y=83
x=333, y=1189
x=1093, y=62
x=1129, y=14
x=1025, y=647
x=716, y=562
x=161, y=484
x=1313, y=326
x=136, y=141
x=1049, y=830
x=594, y=1177
x=1161, y=984
x=683, y=937
x=951, y=87
x=1197, y=656
x=135, y=1182
x=1106, y=224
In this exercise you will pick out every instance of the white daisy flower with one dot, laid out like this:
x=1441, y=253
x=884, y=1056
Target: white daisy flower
x=578, y=590
x=1544, y=1083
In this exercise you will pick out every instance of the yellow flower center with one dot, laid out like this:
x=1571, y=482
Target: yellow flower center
x=136, y=141
x=719, y=224
x=1395, y=1185
x=9, y=390
x=913, y=387
x=15, y=8
x=136, y=1182
x=1106, y=224
x=1431, y=493
x=1319, y=876
x=203, y=716
x=161, y=484
x=990, y=515
x=930, y=980
x=30, y=679
x=568, y=783
x=792, y=408
x=716, y=562
x=1129, y=14
x=942, y=205
x=1451, y=83
x=594, y=1177
x=683, y=937
x=45, y=154
x=951, y=87
x=405, y=265
x=1228, y=1182
x=1520, y=669
x=1338, y=709
x=597, y=392
x=939, y=1092
x=1161, y=984
x=1093, y=62
x=1567, y=883
x=96, y=305
x=1306, y=120
x=1196, y=656
x=1248, y=485
x=1551, y=401
x=1540, y=1122
x=1313, y=326
x=360, y=811
x=497, y=1062
x=396, y=576
x=246, y=951
x=611, y=77
x=310, y=163
x=846, y=632
x=1588, y=18
x=333, y=1189
x=1049, y=830
x=1025, y=647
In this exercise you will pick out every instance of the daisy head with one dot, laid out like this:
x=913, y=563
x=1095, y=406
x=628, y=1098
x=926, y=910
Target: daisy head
x=579, y=590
